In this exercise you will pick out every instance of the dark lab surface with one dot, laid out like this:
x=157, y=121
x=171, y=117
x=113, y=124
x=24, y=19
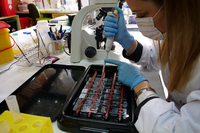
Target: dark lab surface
x=46, y=92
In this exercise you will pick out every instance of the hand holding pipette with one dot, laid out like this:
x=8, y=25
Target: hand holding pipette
x=109, y=41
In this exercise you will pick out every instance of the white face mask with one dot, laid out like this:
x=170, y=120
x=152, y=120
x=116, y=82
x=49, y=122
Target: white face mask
x=147, y=28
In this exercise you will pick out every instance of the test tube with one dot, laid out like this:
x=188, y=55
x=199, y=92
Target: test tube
x=15, y=48
x=4, y=128
x=28, y=40
x=15, y=36
x=14, y=108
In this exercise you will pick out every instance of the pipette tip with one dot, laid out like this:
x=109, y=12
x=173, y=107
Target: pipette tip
x=103, y=68
x=102, y=72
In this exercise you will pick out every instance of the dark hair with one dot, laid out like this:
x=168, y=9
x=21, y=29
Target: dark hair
x=157, y=2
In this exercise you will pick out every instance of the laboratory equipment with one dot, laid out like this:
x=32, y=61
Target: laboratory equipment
x=62, y=20
x=30, y=123
x=127, y=12
x=6, y=52
x=4, y=127
x=45, y=92
x=109, y=41
x=57, y=46
x=32, y=49
x=132, y=19
x=45, y=61
x=79, y=99
x=43, y=29
x=83, y=42
x=16, y=38
x=31, y=56
x=42, y=62
x=99, y=104
x=14, y=108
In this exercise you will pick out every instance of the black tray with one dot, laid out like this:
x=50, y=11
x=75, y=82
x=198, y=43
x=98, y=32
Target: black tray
x=70, y=121
x=45, y=93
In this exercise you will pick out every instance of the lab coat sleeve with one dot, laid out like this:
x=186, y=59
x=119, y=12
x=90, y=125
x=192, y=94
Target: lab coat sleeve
x=147, y=54
x=159, y=116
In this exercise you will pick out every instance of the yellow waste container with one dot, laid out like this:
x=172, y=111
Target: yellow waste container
x=6, y=51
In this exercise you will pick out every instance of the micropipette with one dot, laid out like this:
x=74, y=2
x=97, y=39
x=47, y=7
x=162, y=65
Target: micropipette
x=109, y=41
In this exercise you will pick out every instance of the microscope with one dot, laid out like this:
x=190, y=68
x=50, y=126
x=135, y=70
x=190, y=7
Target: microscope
x=87, y=32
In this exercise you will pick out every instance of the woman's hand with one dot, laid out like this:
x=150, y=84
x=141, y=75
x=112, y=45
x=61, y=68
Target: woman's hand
x=118, y=30
x=128, y=74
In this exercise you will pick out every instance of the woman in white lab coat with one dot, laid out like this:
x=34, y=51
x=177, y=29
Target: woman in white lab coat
x=174, y=25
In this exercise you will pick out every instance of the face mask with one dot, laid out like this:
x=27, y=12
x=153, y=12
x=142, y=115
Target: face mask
x=147, y=28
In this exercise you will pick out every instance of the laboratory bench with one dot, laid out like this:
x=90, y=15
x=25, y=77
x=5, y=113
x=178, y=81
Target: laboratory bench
x=47, y=13
x=17, y=75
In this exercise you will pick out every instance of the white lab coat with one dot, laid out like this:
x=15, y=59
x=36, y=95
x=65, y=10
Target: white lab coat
x=182, y=114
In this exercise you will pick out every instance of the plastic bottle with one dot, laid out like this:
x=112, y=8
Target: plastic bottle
x=131, y=19
x=42, y=33
x=127, y=11
x=58, y=5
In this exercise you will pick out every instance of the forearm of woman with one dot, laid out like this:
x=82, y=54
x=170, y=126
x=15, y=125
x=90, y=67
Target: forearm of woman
x=132, y=48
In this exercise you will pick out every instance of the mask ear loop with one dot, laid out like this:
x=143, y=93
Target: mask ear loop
x=158, y=11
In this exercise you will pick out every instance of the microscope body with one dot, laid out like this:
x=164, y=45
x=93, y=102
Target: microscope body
x=83, y=42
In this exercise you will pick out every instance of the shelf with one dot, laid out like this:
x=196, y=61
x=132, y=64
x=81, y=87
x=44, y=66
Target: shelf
x=54, y=13
x=16, y=17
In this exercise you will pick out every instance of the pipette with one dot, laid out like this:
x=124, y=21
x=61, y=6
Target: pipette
x=109, y=41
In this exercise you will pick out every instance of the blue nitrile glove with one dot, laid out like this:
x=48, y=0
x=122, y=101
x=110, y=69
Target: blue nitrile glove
x=128, y=74
x=118, y=30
